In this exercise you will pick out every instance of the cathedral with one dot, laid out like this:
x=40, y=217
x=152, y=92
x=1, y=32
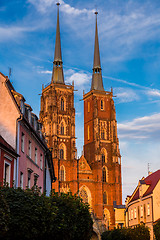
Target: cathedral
x=96, y=175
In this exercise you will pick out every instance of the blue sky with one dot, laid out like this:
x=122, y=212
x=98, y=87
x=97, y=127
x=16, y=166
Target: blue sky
x=129, y=36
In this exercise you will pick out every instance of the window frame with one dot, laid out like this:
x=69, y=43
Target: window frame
x=30, y=149
x=7, y=174
x=22, y=142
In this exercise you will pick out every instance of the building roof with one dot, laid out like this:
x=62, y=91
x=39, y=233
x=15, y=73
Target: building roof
x=7, y=146
x=97, y=82
x=151, y=181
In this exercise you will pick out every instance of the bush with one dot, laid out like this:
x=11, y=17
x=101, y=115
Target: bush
x=29, y=215
x=138, y=233
x=156, y=229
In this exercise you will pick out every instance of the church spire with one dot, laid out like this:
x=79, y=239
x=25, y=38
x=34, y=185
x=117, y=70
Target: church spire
x=57, y=73
x=97, y=82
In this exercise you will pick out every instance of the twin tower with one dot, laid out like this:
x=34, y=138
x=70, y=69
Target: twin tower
x=96, y=176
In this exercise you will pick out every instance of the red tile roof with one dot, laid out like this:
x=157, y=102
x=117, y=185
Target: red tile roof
x=150, y=180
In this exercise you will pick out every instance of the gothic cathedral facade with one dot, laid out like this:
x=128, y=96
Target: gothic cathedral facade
x=96, y=176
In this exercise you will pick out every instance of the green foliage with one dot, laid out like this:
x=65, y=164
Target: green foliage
x=29, y=215
x=140, y=232
x=156, y=229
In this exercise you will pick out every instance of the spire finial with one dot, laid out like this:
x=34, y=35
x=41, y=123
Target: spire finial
x=57, y=74
x=97, y=82
x=57, y=53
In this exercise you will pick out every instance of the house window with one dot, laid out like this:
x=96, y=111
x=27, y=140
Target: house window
x=41, y=161
x=148, y=209
x=104, y=174
x=29, y=180
x=102, y=105
x=62, y=104
x=62, y=174
x=135, y=212
x=29, y=148
x=141, y=211
x=131, y=214
x=35, y=155
x=88, y=132
x=22, y=142
x=21, y=180
x=61, y=153
x=7, y=169
x=104, y=198
x=88, y=106
x=62, y=129
x=35, y=179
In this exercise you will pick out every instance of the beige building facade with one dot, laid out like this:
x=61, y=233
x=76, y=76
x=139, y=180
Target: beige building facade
x=143, y=206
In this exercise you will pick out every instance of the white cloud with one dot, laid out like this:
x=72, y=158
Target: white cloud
x=125, y=95
x=153, y=93
x=12, y=32
x=80, y=78
x=45, y=72
x=45, y=5
x=147, y=127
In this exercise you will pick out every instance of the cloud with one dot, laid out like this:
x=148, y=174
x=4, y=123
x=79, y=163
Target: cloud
x=80, y=78
x=153, y=93
x=147, y=127
x=12, y=32
x=45, y=5
x=125, y=95
x=45, y=72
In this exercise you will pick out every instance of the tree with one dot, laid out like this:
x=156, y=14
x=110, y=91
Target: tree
x=156, y=229
x=30, y=215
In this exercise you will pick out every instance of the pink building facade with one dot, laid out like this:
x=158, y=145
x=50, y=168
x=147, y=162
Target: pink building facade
x=7, y=158
x=20, y=128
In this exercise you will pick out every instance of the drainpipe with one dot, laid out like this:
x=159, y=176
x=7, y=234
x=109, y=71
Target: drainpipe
x=78, y=174
x=17, y=147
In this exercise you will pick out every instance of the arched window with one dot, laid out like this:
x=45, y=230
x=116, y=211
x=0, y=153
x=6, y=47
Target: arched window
x=104, y=174
x=62, y=173
x=107, y=218
x=83, y=194
x=62, y=104
x=103, y=158
x=88, y=106
x=88, y=132
x=104, y=155
x=61, y=153
x=104, y=198
x=62, y=129
x=102, y=105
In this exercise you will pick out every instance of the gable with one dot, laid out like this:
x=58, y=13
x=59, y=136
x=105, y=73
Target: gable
x=84, y=166
x=9, y=113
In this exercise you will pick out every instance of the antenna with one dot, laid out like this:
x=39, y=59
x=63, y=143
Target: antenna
x=148, y=168
x=10, y=72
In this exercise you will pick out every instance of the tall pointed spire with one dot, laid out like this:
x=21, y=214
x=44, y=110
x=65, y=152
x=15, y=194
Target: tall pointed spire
x=97, y=82
x=57, y=73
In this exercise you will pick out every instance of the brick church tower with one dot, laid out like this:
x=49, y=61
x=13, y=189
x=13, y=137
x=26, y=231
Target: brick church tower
x=96, y=176
x=101, y=146
x=58, y=118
